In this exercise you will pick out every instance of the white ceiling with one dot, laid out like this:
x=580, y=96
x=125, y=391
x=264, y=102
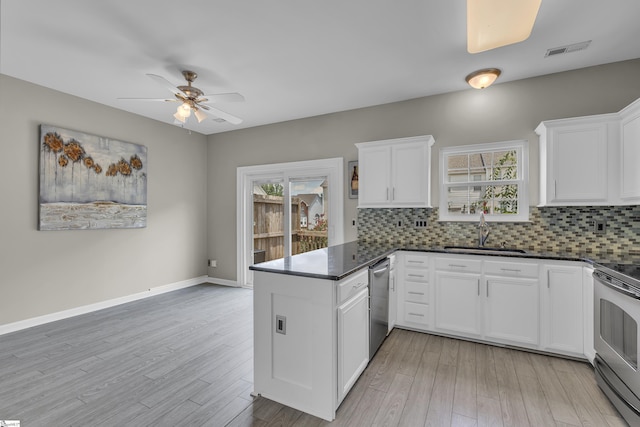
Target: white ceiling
x=289, y=58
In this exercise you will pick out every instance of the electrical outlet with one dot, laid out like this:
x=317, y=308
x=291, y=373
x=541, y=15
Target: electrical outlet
x=599, y=227
x=399, y=223
x=353, y=222
x=281, y=324
x=213, y=263
x=420, y=223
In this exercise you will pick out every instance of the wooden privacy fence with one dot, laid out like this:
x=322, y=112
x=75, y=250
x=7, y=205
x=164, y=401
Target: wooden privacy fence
x=268, y=228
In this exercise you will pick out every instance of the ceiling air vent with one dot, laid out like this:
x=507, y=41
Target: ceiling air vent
x=568, y=48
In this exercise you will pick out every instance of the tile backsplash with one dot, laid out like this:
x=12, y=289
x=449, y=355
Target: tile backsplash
x=550, y=229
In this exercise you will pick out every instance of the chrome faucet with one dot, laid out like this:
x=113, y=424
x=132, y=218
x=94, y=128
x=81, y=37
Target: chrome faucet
x=483, y=231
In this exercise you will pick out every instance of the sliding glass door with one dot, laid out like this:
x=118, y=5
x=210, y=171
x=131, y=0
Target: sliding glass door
x=287, y=209
x=268, y=221
x=309, y=218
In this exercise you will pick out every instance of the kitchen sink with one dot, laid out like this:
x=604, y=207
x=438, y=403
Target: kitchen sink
x=483, y=250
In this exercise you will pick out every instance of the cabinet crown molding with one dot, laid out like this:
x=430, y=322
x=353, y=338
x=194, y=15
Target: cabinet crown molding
x=428, y=138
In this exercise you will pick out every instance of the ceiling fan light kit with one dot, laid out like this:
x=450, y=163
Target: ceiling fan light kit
x=496, y=23
x=483, y=78
x=199, y=115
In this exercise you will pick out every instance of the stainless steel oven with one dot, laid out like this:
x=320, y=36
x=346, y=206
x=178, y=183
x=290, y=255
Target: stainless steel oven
x=617, y=316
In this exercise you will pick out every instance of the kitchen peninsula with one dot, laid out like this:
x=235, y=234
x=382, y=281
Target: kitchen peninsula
x=303, y=306
x=310, y=337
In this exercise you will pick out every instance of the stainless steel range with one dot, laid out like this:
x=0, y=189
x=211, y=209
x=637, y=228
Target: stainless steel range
x=617, y=314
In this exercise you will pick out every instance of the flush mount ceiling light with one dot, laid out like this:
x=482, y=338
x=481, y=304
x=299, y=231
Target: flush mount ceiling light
x=483, y=78
x=497, y=23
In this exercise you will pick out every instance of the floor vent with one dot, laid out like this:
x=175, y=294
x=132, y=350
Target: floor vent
x=568, y=48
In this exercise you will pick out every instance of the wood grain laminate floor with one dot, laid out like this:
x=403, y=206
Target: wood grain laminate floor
x=185, y=359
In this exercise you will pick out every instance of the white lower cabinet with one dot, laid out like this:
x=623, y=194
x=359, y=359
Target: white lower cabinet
x=511, y=309
x=413, y=291
x=353, y=341
x=562, y=309
x=311, y=339
x=535, y=304
x=393, y=293
x=457, y=303
x=588, y=310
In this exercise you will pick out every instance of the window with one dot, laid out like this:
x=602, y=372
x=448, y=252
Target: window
x=490, y=178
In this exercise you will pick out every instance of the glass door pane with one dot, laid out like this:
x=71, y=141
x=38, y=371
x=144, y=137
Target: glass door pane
x=309, y=214
x=268, y=221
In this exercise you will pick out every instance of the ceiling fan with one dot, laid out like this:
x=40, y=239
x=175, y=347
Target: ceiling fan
x=192, y=99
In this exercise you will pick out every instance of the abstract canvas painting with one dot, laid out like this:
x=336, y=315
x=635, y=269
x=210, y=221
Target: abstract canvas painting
x=90, y=182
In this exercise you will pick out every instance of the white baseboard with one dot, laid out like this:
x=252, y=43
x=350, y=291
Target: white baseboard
x=47, y=318
x=224, y=282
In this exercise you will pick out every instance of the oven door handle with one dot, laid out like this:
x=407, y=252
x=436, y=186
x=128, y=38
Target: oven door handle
x=616, y=287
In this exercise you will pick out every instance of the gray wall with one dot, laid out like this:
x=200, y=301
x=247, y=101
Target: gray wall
x=192, y=189
x=502, y=112
x=42, y=272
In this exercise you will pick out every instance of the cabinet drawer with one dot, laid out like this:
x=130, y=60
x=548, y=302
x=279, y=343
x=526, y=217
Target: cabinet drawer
x=416, y=292
x=512, y=269
x=352, y=285
x=416, y=275
x=416, y=313
x=459, y=264
x=416, y=261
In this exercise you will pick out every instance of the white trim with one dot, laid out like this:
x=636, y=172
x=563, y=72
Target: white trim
x=245, y=175
x=223, y=282
x=52, y=317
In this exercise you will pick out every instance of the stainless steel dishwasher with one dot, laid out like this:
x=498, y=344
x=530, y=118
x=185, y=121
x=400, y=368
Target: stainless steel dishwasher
x=378, y=304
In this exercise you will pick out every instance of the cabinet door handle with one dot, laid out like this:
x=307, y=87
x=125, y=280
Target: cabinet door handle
x=387, y=193
x=548, y=279
x=416, y=314
x=393, y=193
x=415, y=262
x=416, y=275
x=393, y=284
x=487, y=289
x=555, y=188
x=416, y=293
x=478, y=287
x=514, y=270
x=457, y=265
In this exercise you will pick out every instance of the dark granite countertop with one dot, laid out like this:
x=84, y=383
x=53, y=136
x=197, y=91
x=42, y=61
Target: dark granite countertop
x=337, y=262
x=332, y=263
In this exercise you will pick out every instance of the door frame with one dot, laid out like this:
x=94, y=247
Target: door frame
x=332, y=168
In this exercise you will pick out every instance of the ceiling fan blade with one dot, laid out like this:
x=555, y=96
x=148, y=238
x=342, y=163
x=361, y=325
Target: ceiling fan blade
x=224, y=97
x=149, y=99
x=220, y=114
x=166, y=83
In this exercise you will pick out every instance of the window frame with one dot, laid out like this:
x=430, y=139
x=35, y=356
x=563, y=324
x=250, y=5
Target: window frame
x=521, y=147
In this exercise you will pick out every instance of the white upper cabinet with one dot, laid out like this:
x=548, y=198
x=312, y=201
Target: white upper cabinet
x=630, y=153
x=573, y=161
x=395, y=172
x=592, y=160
